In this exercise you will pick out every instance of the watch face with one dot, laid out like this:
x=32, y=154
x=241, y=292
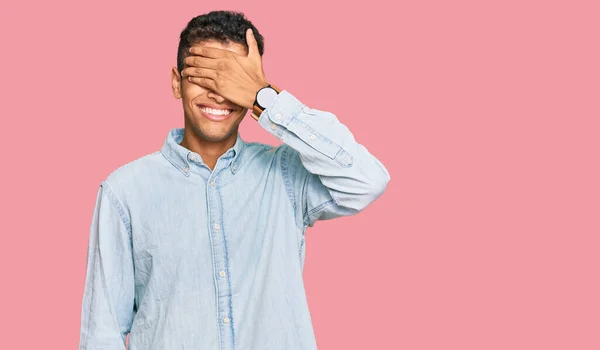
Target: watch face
x=265, y=97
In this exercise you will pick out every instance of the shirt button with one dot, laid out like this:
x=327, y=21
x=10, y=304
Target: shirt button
x=226, y=320
x=216, y=226
x=212, y=184
x=313, y=137
x=186, y=169
x=273, y=126
x=222, y=273
x=193, y=157
x=277, y=116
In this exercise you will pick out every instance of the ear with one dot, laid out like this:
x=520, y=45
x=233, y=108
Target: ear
x=176, y=83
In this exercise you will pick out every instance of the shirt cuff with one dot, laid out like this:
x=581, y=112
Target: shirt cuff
x=282, y=111
x=293, y=122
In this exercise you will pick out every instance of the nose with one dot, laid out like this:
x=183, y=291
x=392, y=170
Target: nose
x=218, y=98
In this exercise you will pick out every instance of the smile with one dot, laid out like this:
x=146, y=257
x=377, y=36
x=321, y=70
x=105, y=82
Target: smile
x=215, y=114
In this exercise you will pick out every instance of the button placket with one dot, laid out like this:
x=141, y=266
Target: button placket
x=220, y=263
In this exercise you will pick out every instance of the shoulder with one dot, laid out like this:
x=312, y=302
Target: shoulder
x=266, y=155
x=127, y=176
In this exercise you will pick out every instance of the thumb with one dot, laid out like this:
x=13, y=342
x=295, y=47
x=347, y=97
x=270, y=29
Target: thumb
x=252, y=44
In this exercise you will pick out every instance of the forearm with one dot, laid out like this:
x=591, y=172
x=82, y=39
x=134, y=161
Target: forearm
x=327, y=148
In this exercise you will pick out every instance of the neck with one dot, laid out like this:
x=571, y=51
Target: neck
x=210, y=151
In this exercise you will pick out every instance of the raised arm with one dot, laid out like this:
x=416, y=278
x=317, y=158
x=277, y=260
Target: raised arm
x=329, y=173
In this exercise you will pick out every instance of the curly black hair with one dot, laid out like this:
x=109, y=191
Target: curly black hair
x=221, y=26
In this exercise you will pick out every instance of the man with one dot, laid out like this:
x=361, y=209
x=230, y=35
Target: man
x=201, y=245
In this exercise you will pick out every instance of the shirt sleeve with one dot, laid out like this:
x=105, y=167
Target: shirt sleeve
x=328, y=173
x=108, y=298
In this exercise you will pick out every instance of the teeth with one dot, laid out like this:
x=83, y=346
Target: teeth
x=216, y=111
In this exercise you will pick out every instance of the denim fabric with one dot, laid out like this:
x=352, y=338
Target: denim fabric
x=182, y=257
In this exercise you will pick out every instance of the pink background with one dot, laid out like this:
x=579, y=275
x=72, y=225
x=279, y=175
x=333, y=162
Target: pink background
x=485, y=113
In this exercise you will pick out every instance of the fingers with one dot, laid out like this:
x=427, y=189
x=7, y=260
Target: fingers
x=210, y=52
x=252, y=44
x=201, y=76
x=204, y=82
x=199, y=73
x=198, y=61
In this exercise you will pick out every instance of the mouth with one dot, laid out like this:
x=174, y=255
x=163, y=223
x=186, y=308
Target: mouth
x=215, y=114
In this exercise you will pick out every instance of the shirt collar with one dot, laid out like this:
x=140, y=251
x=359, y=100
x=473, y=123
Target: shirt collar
x=181, y=157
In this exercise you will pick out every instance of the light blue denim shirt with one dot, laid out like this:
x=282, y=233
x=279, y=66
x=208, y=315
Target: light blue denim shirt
x=182, y=257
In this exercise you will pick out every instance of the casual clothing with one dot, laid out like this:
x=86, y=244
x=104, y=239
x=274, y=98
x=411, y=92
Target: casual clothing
x=182, y=257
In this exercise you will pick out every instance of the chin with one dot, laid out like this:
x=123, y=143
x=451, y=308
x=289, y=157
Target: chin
x=212, y=133
x=216, y=138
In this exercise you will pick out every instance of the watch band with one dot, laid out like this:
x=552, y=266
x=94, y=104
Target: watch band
x=256, y=110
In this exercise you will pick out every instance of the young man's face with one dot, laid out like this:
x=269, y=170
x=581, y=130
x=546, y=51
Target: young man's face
x=196, y=99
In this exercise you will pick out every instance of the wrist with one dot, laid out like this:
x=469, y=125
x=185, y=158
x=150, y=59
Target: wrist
x=253, y=92
x=265, y=95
